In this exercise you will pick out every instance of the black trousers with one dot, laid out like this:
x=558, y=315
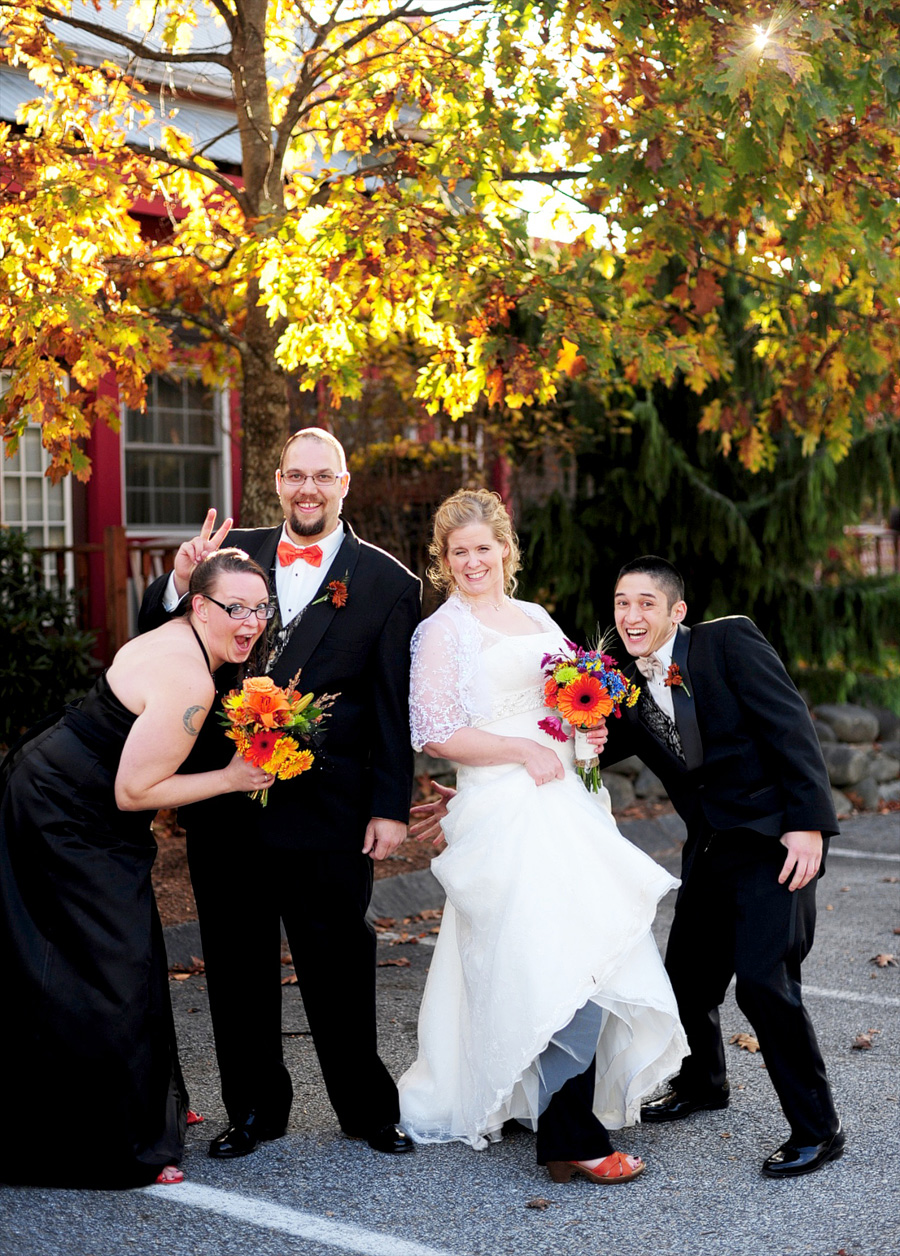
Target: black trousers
x=732, y=918
x=243, y=891
x=567, y=1128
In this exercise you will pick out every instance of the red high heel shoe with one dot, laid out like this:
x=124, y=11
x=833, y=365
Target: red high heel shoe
x=614, y=1169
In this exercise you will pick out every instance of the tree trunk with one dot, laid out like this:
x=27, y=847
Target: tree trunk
x=264, y=418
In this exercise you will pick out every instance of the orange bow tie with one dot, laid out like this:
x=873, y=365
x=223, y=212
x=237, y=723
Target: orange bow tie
x=288, y=554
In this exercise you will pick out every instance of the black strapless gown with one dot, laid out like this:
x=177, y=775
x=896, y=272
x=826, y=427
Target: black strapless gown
x=93, y=1093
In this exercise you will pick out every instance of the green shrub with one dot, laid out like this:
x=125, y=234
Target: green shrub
x=45, y=660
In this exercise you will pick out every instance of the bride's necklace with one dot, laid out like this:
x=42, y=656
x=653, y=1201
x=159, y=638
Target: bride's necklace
x=474, y=603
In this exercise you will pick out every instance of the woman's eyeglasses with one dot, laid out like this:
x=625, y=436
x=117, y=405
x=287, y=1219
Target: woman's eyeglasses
x=265, y=610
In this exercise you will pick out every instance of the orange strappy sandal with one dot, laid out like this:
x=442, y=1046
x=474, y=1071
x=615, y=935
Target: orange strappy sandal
x=614, y=1169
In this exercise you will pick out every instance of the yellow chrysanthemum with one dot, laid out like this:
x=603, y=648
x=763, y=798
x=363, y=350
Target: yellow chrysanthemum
x=301, y=762
x=282, y=753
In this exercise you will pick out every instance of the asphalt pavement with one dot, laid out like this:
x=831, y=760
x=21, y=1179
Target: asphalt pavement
x=316, y=1193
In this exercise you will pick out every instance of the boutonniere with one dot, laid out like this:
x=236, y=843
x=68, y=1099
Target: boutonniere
x=674, y=679
x=335, y=593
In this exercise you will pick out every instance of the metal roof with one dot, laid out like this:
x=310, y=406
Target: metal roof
x=204, y=124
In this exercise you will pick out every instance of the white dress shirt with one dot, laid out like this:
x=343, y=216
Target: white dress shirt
x=659, y=691
x=297, y=585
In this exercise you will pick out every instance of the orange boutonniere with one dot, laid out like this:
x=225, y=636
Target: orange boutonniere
x=335, y=593
x=674, y=679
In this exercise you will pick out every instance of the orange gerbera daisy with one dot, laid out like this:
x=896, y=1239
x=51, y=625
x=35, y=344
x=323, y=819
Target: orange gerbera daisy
x=261, y=748
x=584, y=702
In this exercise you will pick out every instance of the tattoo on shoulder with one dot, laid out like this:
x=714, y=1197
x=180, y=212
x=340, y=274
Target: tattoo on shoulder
x=187, y=719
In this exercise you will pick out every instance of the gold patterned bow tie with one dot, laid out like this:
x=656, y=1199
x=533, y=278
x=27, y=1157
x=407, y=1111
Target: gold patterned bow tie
x=650, y=666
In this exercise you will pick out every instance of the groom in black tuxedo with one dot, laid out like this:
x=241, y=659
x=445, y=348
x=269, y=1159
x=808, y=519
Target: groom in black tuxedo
x=721, y=724
x=345, y=614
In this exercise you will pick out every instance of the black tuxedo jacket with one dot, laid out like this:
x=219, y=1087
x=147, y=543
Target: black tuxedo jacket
x=752, y=758
x=359, y=651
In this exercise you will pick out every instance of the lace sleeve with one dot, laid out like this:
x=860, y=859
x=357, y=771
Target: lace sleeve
x=436, y=701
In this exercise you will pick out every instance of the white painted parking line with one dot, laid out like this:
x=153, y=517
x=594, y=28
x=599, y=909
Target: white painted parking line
x=845, y=996
x=850, y=996
x=843, y=853
x=301, y=1225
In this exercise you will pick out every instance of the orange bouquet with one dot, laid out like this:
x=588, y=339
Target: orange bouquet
x=268, y=723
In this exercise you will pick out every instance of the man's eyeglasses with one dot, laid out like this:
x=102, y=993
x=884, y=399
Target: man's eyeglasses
x=324, y=479
x=265, y=610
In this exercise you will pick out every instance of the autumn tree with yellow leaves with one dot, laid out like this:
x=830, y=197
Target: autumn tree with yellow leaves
x=388, y=153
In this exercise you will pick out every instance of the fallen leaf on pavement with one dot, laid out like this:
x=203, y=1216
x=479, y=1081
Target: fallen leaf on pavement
x=862, y=1042
x=540, y=1203
x=745, y=1041
x=384, y=922
x=181, y=972
x=289, y=981
x=890, y=880
x=403, y=962
x=884, y=960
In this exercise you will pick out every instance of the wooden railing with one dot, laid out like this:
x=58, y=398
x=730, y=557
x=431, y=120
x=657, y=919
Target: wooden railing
x=108, y=589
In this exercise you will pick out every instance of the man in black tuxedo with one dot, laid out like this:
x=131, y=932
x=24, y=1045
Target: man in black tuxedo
x=306, y=859
x=721, y=724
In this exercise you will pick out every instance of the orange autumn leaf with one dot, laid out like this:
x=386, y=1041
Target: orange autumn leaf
x=495, y=387
x=569, y=360
x=745, y=1041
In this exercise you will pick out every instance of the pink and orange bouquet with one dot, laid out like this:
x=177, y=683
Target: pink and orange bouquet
x=584, y=686
x=268, y=724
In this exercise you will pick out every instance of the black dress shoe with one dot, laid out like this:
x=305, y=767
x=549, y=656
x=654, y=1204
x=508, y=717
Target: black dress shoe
x=790, y=1160
x=675, y=1107
x=241, y=1137
x=391, y=1139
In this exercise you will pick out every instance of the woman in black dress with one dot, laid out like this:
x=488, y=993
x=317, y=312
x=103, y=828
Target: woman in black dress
x=93, y=1090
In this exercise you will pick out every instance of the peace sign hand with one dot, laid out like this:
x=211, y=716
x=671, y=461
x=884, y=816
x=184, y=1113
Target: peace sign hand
x=197, y=548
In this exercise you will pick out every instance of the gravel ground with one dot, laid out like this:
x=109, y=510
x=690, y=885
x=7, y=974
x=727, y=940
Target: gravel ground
x=315, y=1192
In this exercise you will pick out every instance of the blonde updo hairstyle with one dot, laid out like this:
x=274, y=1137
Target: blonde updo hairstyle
x=465, y=507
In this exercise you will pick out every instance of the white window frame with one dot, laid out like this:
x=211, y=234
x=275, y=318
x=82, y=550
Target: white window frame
x=21, y=476
x=222, y=422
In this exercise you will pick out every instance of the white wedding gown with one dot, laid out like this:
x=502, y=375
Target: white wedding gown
x=548, y=914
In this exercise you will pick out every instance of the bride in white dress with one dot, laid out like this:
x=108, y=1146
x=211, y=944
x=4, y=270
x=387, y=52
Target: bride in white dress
x=546, y=1001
